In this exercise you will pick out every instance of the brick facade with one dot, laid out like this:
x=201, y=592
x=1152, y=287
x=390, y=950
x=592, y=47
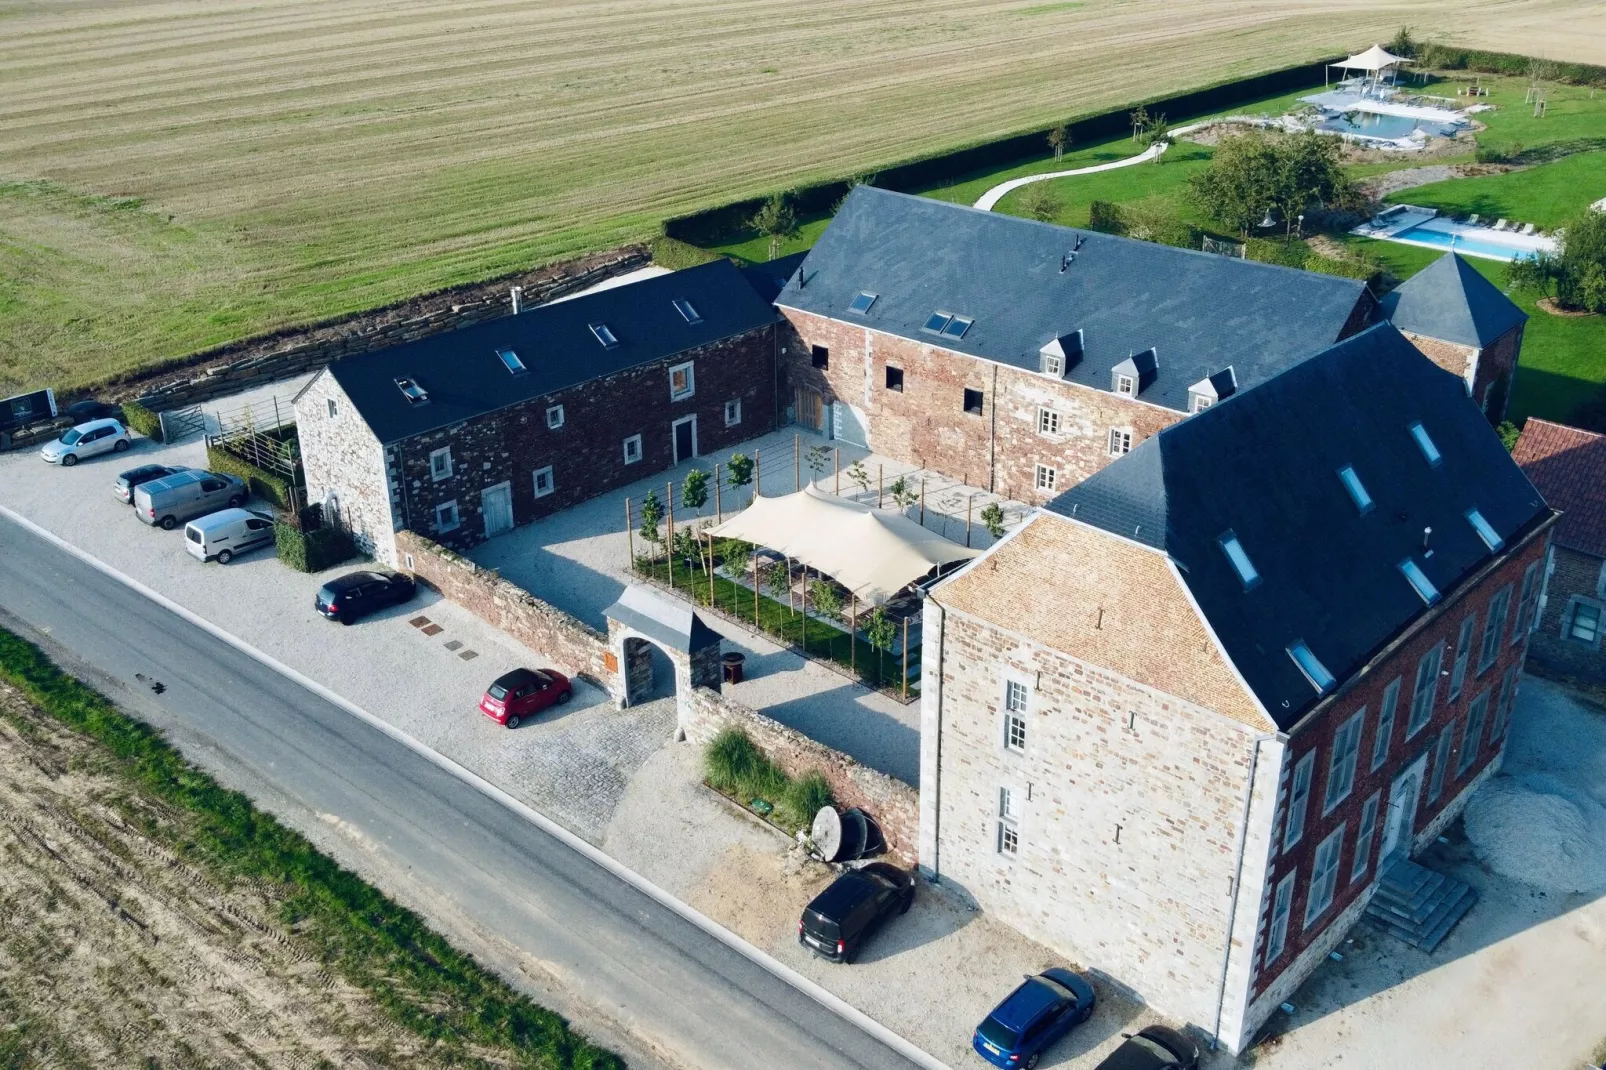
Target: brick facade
x=1488, y=372
x=401, y=487
x=1574, y=579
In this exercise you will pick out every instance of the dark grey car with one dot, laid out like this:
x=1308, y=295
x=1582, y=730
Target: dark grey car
x=170, y=501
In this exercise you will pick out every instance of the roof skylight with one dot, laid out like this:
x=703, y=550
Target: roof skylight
x=957, y=327
x=1425, y=444
x=1240, y=560
x=604, y=335
x=1357, y=489
x=415, y=394
x=937, y=322
x=511, y=361
x=1311, y=666
x=687, y=312
x=1491, y=538
x=862, y=303
x=1419, y=581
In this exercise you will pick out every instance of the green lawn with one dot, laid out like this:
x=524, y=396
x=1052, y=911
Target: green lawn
x=1152, y=181
x=1546, y=195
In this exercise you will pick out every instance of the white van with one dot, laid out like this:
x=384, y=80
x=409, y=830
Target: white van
x=221, y=535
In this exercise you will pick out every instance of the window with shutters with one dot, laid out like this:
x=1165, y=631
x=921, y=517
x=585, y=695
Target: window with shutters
x=1426, y=691
x=1385, y=723
x=1472, y=738
x=1277, y=931
x=1463, y=653
x=1298, y=801
x=1364, y=837
x=1341, y=765
x=1324, y=876
x=1495, y=627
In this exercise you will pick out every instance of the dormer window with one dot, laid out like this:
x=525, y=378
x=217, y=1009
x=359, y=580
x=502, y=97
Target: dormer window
x=601, y=332
x=1357, y=490
x=1201, y=402
x=1136, y=374
x=1211, y=389
x=687, y=312
x=510, y=360
x=415, y=394
x=1419, y=581
x=1059, y=354
x=1125, y=384
x=1430, y=452
x=861, y=304
x=1247, y=573
x=1311, y=666
x=1485, y=530
x=1053, y=364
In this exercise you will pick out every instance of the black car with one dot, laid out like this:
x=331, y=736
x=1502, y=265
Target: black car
x=358, y=594
x=81, y=412
x=1154, y=1047
x=123, y=486
x=839, y=920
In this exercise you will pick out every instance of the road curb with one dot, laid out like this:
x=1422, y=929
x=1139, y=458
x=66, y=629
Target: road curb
x=780, y=970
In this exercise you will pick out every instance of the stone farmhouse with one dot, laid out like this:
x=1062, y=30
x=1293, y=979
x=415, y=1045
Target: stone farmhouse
x=1191, y=719
x=1568, y=465
x=462, y=435
x=1023, y=357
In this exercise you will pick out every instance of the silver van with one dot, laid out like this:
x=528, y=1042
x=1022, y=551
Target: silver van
x=171, y=500
x=221, y=535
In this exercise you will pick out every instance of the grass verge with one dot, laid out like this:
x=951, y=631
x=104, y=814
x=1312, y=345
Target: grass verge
x=430, y=988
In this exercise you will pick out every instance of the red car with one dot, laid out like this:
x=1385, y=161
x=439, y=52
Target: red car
x=523, y=693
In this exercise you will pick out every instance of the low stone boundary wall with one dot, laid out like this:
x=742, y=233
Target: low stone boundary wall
x=574, y=647
x=894, y=805
x=250, y=362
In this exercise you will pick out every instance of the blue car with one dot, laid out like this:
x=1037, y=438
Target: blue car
x=1033, y=1017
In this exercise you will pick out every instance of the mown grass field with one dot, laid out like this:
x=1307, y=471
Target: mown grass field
x=178, y=174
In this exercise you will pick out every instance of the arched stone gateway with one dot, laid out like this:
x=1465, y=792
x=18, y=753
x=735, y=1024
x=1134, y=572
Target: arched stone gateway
x=641, y=619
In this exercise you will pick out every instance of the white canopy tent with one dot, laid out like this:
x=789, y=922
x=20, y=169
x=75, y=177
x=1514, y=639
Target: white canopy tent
x=871, y=552
x=1373, y=61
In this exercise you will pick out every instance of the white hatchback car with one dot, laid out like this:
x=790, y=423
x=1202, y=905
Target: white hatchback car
x=87, y=440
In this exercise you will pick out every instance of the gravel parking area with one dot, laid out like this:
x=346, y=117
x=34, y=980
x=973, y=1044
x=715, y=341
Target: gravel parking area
x=572, y=763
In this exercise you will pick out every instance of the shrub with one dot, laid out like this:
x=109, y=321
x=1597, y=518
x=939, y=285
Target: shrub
x=804, y=798
x=1508, y=433
x=312, y=551
x=1277, y=251
x=1037, y=201
x=1104, y=216
x=142, y=420
x=676, y=255
x=734, y=765
x=263, y=483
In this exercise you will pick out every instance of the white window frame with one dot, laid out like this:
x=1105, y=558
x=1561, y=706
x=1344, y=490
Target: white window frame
x=1463, y=655
x=1324, y=875
x=689, y=388
x=1364, y=837
x=1298, y=800
x=1048, y=422
x=633, y=440
x=1277, y=929
x=1053, y=366
x=1569, y=621
x=1200, y=402
x=334, y=410
x=1016, y=704
x=1426, y=683
x=1125, y=384
x=733, y=412
x=1341, y=763
x=535, y=481
x=1120, y=441
x=1387, y=711
x=1008, y=823
x=438, y=471
x=1493, y=628
x=457, y=517
x=1046, y=477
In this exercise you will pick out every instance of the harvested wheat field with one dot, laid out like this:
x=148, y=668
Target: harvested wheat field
x=176, y=173
x=114, y=952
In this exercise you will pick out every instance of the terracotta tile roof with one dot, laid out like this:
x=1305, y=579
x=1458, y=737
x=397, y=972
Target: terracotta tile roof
x=1568, y=465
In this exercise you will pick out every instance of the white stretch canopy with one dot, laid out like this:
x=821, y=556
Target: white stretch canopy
x=1375, y=58
x=871, y=552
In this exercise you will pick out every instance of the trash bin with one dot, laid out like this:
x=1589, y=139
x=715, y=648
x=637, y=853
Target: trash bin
x=732, y=664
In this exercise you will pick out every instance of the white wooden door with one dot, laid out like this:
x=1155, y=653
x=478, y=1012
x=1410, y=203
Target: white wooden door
x=1403, y=796
x=496, y=504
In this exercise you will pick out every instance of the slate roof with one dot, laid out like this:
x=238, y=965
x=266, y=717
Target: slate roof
x=465, y=378
x=1452, y=300
x=667, y=621
x=1568, y=465
x=1263, y=465
x=1201, y=312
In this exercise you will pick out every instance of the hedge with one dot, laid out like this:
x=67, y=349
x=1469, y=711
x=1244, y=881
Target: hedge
x=429, y=987
x=1451, y=58
x=263, y=483
x=142, y=420
x=675, y=255
x=312, y=551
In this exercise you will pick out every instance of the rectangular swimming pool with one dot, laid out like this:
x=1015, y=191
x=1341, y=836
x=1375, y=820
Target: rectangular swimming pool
x=1466, y=239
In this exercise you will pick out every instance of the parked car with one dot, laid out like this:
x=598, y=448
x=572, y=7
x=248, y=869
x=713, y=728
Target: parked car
x=168, y=502
x=358, y=594
x=1032, y=1018
x=123, y=486
x=1154, y=1047
x=219, y=536
x=521, y=694
x=837, y=922
x=87, y=440
x=80, y=412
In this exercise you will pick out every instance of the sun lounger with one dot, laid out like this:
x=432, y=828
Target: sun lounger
x=1472, y=220
x=1528, y=228
x=1500, y=224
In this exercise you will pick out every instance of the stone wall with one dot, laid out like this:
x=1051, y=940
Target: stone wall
x=238, y=366
x=1573, y=577
x=573, y=647
x=1488, y=372
x=894, y=804
x=345, y=467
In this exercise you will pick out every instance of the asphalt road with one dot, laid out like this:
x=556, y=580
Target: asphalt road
x=624, y=967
